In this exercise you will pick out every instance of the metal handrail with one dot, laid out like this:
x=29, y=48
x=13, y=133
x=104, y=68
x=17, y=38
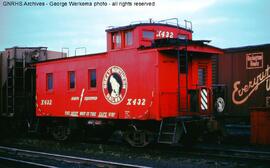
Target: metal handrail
x=79, y=49
x=62, y=53
x=165, y=20
x=188, y=24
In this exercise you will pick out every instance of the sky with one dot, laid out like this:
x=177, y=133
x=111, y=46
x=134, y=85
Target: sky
x=227, y=23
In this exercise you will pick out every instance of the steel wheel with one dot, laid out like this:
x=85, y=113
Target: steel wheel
x=60, y=133
x=137, y=138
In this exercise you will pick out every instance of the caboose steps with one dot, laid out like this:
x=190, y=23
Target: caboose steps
x=183, y=129
x=170, y=131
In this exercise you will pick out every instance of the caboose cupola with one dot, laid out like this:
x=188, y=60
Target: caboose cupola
x=142, y=34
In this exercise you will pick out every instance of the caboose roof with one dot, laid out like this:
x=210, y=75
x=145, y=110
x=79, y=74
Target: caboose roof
x=133, y=26
x=247, y=48
x=17, y=47
x=178, y=44
x=72, y=57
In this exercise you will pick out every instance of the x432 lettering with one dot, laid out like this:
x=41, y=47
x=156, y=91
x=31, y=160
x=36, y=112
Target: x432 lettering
x=136, y=102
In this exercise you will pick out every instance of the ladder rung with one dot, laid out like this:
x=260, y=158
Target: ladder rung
x=32, y=130
x=170, y=124
x=31, y=68
x=167, y=133
x=19, y=96
x=165, y=142
x=8, y=114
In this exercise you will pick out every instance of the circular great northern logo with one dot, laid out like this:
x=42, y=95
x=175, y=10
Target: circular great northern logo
x=114, y=85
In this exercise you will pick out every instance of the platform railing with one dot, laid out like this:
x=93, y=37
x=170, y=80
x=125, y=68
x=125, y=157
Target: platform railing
x=171, y=21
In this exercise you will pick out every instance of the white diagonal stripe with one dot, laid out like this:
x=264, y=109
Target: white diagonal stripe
x=81, y=98
x=203, y=98
x=202, y=107
x=204, y=91
x=204, y=104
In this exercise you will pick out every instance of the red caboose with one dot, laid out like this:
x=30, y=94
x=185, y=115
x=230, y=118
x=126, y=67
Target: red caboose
x=153, y=80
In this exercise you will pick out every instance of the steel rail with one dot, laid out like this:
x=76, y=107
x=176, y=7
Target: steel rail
x=236, y=150
x=26, y=162
x=216, y=152
x=231, y=153
x=75, y=158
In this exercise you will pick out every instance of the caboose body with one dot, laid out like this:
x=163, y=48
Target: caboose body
x=152, y=77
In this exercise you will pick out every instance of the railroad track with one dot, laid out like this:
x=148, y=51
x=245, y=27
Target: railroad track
x=216, y=153
x=224, y=153
x=33, y=158
x=22, y=163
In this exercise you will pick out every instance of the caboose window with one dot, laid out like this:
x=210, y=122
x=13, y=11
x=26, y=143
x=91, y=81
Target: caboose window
x=202, y=76
x=117, y=40
x=182, y=36
x=92, y=78
x=49, y=81
x=71, y=76
x=183, y=65
x=149, y=35
x=128, y=38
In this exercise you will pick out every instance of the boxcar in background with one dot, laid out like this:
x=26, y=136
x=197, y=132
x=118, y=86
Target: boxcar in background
x=17, y=79
x=245, y=72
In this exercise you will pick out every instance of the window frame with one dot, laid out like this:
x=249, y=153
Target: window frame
x=148, y=39
x=115, y=38
x=182, y=36
x=49, y=89
x=69, y=80
x=131, y=38
x=204, y=75
x=90, y=87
